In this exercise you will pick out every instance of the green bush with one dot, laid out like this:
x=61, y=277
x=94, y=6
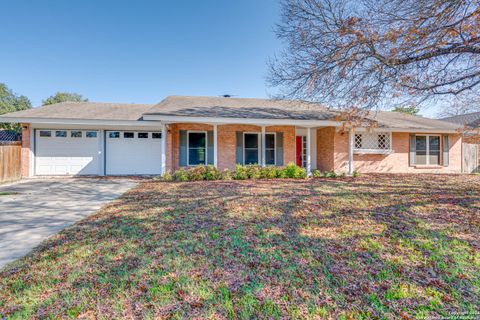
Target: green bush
x=212, y=173
x=209, y=172
x=226, y=175
x=356, y=174
x=268, y=172
x=181, y=175
x=240, y=173
x=330, y=174
x=293, y=171
x=316, y=173
x=253, y=171
x=167, y=176
x=196, y=173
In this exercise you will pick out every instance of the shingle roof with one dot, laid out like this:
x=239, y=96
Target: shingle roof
x=241, y=108
x=9, y=135
x=219, y=107
x=282, y=109
x=85, y=111
x=471, y=120
x=406, y=121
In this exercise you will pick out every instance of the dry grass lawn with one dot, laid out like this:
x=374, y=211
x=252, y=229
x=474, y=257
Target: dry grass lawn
x=380, y=246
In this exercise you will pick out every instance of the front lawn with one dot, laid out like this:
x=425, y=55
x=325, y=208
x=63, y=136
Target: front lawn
x=370, y=247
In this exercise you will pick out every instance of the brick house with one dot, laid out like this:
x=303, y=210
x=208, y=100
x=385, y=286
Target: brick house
x=85, y=138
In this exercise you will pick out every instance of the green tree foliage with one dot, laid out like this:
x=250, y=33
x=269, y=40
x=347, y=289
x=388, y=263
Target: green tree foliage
x=63, y=97
x=11, y=102
x=413, y=110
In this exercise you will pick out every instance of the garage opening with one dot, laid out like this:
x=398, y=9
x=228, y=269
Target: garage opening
x=133, y=152
x=67, y=152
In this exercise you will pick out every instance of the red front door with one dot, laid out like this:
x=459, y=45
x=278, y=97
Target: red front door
x=299, y=151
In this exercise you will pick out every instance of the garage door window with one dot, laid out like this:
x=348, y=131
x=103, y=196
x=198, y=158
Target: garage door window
x=128, y=135
x=76, y=134
x=61, y=134
x=197, y=148
x=114, y=135
x=91, y=134
x=143, y=135
x=45, y=133
x=156, y=135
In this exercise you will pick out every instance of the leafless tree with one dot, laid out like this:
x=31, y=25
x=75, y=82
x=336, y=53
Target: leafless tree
x=374, y=53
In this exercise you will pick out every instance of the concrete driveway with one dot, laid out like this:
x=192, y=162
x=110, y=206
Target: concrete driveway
x=42, y=207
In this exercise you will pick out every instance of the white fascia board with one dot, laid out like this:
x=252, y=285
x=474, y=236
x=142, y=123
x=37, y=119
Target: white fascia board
x=363, y=129
x=259, y=122
x=136, y=123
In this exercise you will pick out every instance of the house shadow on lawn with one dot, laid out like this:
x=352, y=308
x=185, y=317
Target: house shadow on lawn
x=378, y=246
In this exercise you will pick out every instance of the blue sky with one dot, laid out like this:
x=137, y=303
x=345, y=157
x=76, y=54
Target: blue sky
x=137, y=51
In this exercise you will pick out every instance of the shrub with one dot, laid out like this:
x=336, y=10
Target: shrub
x=293, y=171
x=253, y=171
x=181, y=175
x=316, y=173
x=268, y=172
x=196, y=173
x=356, y=174
x=330, y=174
x=226, y=175
x=240, y=172
x=212, y=173
x=166, y=176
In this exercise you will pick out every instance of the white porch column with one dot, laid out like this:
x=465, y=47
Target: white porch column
x=309, y=153
x=163, y=160
x=215, y=146
x=264, y=147
x=351, y=138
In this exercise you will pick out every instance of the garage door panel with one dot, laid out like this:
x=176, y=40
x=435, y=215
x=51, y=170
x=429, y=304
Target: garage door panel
x=66, y=155
x=135, y=155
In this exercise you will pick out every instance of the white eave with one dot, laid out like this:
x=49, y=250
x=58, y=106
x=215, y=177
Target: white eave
x=153, y=120
x=99, y=122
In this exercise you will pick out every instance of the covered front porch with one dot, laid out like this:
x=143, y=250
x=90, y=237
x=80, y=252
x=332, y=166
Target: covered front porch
x=225, y=145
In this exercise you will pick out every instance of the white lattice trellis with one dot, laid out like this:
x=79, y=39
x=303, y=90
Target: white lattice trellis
x=373, y=142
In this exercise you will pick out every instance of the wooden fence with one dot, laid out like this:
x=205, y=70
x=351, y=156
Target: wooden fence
x=10, y=161
x=470, y=157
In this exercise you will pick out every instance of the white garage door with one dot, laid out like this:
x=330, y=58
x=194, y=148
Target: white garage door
x=133, y=152
x=67, y=152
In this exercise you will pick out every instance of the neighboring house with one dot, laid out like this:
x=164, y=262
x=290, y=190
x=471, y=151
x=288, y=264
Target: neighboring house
x=470, y=120
x=120, y=139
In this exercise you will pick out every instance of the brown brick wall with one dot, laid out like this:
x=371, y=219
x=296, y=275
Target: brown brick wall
x=398, y=161
x=26, y=131
x=325, y=150
x=227, y=142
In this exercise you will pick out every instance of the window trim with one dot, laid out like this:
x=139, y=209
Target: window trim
x=259, y=148
x=188, y=147
x=428, y=149
x=376, y=150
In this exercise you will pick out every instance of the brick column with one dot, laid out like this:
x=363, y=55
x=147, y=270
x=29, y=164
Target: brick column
x=26, y=150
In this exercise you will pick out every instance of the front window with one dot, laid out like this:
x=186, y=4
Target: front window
x=197, y=148
x=427, y=150
x=270, y=149
x=252, y=152
x=373, y=142
x=251, y=155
